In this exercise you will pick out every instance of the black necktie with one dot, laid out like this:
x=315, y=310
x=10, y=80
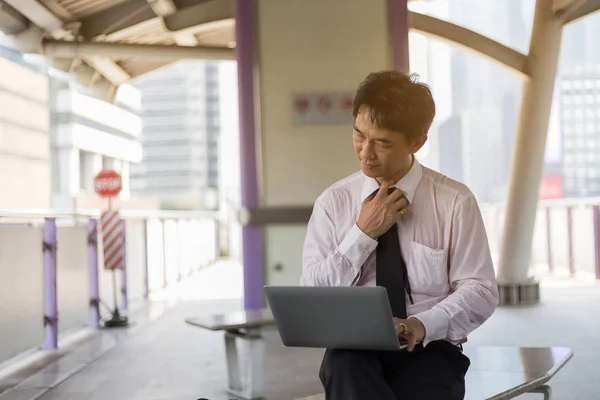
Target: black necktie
x=391, y=271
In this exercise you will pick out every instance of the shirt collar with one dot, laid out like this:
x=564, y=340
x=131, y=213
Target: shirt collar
x=408, y=184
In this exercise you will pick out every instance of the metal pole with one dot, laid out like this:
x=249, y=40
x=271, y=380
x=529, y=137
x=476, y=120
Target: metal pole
x=247, y=63
x=93, y=266
x=50, y=296
x=597, y=239
x=146, y=278
x=124, y=302
x=527, y=166
x=164, y=233
x=549, y=239
x=570, y=240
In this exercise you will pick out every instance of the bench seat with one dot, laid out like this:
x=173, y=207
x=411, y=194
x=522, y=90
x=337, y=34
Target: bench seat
x=244, y=328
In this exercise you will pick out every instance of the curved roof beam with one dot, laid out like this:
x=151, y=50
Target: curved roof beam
x=470, y=40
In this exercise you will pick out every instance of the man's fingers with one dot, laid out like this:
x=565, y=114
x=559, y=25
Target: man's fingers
x=383, y=188
x=399, y=326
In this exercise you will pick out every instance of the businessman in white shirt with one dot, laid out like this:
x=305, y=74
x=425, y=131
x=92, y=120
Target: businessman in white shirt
x=414, y=231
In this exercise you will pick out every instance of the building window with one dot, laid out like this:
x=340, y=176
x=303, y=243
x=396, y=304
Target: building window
x=569, y=171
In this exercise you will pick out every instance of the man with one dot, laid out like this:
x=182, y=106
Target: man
x=412, y=230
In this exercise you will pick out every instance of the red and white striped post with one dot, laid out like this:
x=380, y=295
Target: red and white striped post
x=108, y=184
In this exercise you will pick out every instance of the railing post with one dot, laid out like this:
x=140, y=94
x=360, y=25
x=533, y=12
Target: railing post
x=549, y=239
x=93, y=270
x=596, y=209
x=146, y=277
x=165, y=258
x=570, y=240
x=50, y=297
x=124, y=302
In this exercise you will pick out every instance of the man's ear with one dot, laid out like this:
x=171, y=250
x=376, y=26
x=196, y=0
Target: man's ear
x=418, y=142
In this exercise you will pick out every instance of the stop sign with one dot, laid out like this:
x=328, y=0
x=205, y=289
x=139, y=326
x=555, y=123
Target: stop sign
x=107, y=183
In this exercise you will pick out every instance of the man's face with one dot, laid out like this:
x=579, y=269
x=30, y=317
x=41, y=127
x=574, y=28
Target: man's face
x=383, y=153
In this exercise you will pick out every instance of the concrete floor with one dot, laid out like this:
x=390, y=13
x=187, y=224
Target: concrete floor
x=163, y=358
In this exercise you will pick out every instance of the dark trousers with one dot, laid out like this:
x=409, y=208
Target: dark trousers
x=435, y=372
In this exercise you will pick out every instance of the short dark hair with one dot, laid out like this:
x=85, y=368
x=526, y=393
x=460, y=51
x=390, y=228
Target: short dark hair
x=396, y=101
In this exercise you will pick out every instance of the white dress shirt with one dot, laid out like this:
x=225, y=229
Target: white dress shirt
x=442, y=239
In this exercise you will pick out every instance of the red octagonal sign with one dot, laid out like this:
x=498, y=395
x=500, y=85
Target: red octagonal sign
x=108, y=183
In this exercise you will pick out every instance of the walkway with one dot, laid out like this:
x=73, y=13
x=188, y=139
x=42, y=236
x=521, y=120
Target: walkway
x=166, y=359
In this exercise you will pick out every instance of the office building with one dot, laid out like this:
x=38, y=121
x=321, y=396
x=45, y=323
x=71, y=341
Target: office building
x=180, y=118
x=580, y=103
x=88, y=135
x=25, y=180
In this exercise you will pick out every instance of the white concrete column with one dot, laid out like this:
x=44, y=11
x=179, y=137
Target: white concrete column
x=126, y=181
x=68, y=161
x=92, y=165
x=528, y=159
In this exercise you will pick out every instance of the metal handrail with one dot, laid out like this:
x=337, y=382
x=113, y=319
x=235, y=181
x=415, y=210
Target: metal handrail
x=31, y=214
x=571, y=202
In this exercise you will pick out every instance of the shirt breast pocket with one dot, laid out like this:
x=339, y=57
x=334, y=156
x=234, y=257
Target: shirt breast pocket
x=428, y=269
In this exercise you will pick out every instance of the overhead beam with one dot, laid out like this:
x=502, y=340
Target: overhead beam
x=135, y=12
x=109, y=69
x=58, y=10
x=67, y=49
x=11, y=21
x=164, y=8
x=116, y=18
x=470, y=40
x=202, y=13
x=580, y=10
x=46, y=20
x=36, y=13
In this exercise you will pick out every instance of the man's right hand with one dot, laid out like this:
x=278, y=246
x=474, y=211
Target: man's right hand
x=381, y=210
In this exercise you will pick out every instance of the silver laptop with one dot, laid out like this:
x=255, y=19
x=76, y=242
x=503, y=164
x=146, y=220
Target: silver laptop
x=333, y=317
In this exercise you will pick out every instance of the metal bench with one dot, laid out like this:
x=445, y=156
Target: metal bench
x=245, y=376
x=499, y=373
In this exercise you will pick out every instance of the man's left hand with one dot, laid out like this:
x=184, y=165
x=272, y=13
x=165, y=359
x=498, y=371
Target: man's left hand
x=410, y=329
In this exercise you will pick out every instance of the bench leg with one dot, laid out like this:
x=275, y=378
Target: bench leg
x=245, y=375
x=544, y=389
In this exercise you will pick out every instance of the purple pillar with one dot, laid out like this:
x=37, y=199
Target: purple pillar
x=50, y=299
x=252, y=240
x=124, y=302
x=549, y=239
x=597, y=239
x=93, y=265
x=399, y=26
x=570, y=240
